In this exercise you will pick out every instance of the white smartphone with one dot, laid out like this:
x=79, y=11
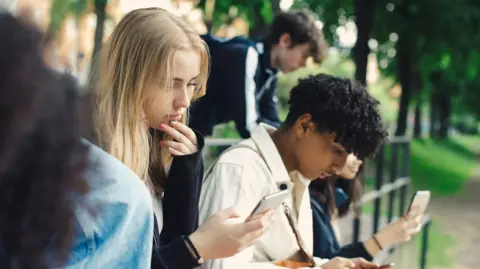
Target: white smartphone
x=271, y=201
x=387, y=266
x=420, y=201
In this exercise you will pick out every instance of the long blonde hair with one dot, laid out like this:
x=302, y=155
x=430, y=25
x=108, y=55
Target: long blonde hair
x=139, y=55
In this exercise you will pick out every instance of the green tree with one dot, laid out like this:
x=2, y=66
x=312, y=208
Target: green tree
x=417, y=39
x=258, y=13
x=61, y=9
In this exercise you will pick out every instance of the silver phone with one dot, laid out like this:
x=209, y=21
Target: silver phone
x=420, y=201
x=387, y=266
x=271, y=201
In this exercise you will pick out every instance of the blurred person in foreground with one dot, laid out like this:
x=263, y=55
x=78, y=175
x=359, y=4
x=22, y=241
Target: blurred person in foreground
x=64, y=203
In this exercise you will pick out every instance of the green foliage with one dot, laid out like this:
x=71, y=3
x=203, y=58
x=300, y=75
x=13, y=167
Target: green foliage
x=439, y=36
x=255, y=11
x=335, y=64
x=333, y=13
x=61, y=9
x=339, y=65
x=266, y=11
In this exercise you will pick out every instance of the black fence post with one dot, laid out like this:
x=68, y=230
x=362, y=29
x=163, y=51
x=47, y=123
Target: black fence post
x=356, y=226
x=404, y=173
x=393, y=178
x=424, y=250
x=378, y=185
x=357, y=210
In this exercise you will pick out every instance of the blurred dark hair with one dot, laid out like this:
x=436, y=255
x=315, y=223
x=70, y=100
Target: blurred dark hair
x=301, y=26
x=42, y=159
x=324, y=191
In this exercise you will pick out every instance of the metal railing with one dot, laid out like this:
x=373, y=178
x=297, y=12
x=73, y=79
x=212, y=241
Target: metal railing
x=398, y=182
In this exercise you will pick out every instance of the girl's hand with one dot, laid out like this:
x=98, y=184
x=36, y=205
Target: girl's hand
x=184, y=139
x=400, y=231
x=352, y=165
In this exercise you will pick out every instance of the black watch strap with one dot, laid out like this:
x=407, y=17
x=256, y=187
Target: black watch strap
x=193, y=249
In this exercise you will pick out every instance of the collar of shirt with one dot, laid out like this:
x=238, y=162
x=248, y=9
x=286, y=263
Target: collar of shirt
x=295, y=181
x=260, y=135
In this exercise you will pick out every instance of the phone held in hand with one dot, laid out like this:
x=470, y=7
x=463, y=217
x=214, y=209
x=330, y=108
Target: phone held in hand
x=420, y=201
x=271, y=201
x=387, y=266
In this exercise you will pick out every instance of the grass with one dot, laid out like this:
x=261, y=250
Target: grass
x=439, y=244
x=442, y=166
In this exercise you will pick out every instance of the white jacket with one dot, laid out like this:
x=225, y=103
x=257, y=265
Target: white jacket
x=240, y=179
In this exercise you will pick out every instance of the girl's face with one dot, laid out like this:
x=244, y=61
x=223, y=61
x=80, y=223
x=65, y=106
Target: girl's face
x=165, y=105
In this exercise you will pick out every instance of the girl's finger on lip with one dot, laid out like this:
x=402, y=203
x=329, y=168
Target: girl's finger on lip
x=168, y=129
x=165, y=127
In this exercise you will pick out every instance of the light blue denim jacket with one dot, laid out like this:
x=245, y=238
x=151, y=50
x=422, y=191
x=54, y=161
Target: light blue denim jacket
x=114, y=221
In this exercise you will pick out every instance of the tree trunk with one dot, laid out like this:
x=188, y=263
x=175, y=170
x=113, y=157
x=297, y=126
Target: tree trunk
x=433, y=116
x=209, y=25
x=444, y=111
x=417, y=127
x=100, y=11
x=405, y=76
x=417, y=85
x=364, y=19
x=276, y=7
x=436, y=79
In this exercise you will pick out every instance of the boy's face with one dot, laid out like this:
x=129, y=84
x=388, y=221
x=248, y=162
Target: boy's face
x=317, y=154
x=291, y=58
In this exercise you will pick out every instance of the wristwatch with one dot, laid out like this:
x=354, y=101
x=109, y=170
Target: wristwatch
x=193, y=250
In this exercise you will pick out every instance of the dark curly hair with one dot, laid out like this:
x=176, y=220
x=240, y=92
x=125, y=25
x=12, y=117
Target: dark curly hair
x=301, y=26
x=342, y=107
x=42, y=159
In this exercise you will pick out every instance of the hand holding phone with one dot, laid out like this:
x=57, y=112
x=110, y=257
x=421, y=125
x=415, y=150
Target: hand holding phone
x=271, y=201
x=419, y=203
x=403, y=229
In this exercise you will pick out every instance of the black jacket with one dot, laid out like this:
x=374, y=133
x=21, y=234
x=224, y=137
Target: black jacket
x=325, y=243
x=180, y=211
x=228, y=90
